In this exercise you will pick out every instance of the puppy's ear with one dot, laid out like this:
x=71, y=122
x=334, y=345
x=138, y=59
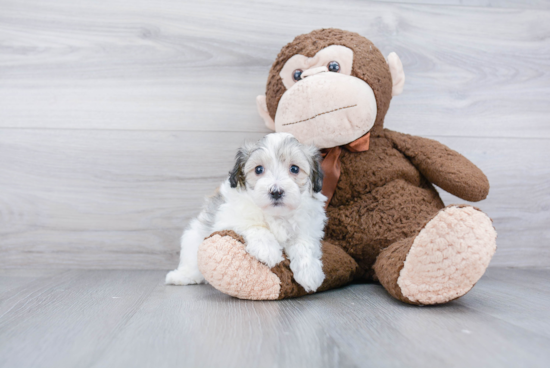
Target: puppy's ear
x=316, y=175
x=237, y=176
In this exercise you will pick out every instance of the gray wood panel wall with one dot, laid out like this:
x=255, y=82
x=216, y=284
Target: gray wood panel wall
x=117, y=117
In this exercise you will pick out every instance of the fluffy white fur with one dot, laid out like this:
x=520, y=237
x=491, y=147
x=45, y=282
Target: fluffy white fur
x=245, y=204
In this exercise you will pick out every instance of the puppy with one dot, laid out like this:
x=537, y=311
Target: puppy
x=272, y=199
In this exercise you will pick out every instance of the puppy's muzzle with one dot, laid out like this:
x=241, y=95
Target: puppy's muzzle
x=276, y=193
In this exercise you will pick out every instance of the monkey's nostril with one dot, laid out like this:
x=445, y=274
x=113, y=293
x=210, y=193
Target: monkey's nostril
x=276, y=193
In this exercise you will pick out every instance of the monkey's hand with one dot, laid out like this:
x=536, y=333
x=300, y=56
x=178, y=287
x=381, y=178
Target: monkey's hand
x=442, y=166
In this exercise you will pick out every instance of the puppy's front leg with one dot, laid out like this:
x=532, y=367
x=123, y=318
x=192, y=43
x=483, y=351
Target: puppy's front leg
x=262, y=245
x=305, y=263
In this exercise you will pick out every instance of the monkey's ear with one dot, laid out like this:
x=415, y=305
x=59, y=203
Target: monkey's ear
x=397, y=74
x=261, y=103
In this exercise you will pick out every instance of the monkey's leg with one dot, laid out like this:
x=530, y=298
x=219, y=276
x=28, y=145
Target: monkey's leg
x=226, y=265
x=443, y=261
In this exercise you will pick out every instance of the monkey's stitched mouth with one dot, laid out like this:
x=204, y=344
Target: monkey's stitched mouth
x=323, y=113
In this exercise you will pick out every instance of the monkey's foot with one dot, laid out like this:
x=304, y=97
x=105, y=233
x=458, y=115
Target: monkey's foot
x=225, y=264
x=443, y=262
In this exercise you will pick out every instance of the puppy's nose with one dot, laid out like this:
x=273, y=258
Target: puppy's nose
x=276, y=193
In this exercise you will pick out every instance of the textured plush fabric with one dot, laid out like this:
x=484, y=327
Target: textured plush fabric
x=444, y=167
x=397, y=74
x=368, y=64
x=382, y=196
x=226, y=265
x=339, y=269
x=327, y=110
x=441, y=263
x=380, y=199
x=331, y=164
x=317, y=64
x=449, y=255
x=389, y=264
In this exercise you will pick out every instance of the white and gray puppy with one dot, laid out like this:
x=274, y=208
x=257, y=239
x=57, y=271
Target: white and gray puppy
x=273, y=199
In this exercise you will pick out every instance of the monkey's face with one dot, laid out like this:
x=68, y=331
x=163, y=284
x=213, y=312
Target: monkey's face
x=335, y=94
x=323, y=104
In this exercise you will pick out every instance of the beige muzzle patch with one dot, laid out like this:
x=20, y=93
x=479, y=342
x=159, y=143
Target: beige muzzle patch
x=327, y=110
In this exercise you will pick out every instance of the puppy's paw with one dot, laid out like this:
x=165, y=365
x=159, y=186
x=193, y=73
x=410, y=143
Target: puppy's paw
x=184, y=276
x=309, y=274
x=267, y=251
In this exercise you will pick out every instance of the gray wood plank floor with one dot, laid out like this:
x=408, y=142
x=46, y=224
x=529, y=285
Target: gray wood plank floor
x=118, y=116
x=124, y=318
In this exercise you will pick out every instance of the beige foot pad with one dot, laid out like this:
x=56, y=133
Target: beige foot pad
x=448, y=256
x=226, y=265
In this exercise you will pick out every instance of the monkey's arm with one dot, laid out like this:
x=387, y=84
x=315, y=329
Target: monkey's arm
x=442, y=166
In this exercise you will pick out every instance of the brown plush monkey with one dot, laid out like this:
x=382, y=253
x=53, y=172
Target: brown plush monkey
x=387, y=222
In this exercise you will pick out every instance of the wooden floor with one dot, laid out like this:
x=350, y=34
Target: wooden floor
x=122, y=318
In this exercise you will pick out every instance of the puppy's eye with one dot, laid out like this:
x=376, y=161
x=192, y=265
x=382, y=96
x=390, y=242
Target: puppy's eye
x=297, y=75
x=333, y=66
x=294, y=169
x=259, y=170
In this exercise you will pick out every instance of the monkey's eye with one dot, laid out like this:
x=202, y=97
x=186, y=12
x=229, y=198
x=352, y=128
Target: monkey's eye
x=297, y=75
x=333, y=66
x=259, y=170
x=294, y=169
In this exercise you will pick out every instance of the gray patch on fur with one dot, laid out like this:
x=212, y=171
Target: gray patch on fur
x=237, y=175
x=316, y=174
x=313, y=156
x=208, y=214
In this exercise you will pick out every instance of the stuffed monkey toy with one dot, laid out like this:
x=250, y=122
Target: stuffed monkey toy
x=386, y=221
